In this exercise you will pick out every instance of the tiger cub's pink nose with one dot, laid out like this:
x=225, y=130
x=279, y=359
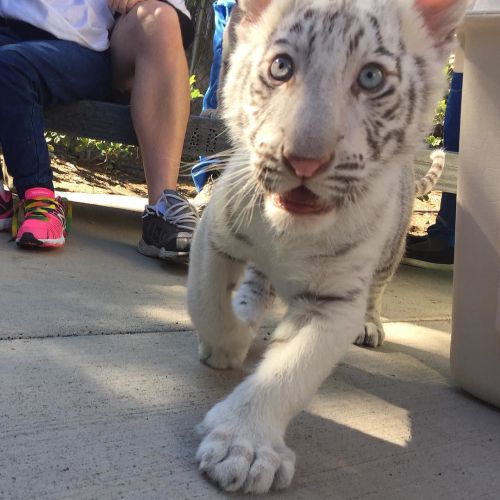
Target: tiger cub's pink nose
x=307, y=167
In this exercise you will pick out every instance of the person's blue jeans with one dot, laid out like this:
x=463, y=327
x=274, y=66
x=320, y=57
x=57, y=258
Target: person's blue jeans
x=38, y=70
x=444, y=227
x=222, y=12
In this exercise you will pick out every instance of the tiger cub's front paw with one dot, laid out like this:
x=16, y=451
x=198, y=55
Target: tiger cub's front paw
x=229, y=352
x=373, y=335
x=243, y=456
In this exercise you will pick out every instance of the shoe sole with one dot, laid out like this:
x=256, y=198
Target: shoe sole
x=6, y=224
x=423, y=264
x=27, y=240
x=160, y=253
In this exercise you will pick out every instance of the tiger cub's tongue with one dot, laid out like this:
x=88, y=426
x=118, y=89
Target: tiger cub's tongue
x=299, y=200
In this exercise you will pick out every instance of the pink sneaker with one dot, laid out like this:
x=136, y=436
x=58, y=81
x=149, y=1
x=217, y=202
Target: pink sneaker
x=6, y=210
x=44, y=223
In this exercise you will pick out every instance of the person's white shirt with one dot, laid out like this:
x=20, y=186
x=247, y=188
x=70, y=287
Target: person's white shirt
x=86, y=22
x=82, y=21
x=180, y=5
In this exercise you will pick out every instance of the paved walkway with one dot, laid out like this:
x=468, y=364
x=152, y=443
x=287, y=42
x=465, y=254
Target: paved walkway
x=100, y=388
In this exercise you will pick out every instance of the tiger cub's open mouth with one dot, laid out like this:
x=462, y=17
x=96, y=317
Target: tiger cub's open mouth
x=302, y=201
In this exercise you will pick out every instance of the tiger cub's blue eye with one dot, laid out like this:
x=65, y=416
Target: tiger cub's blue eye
x=371, y=77
x=281, y=68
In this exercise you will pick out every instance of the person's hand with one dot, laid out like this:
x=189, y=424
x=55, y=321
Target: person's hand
x=123, y=6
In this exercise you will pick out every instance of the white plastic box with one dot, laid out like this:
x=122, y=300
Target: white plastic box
x=475, y=345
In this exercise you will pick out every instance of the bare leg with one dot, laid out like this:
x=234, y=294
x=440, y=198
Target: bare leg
x=148, y=59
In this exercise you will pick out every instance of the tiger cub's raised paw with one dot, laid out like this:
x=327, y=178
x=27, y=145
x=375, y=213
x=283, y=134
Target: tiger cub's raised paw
x=373, y=335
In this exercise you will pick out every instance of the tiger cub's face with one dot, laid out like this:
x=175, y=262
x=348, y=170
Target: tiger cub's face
x=327, y=94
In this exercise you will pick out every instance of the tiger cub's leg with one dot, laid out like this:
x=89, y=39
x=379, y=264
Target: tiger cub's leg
x=254, y=296
x=224, y=339
x=243, y=444
x=373, y=334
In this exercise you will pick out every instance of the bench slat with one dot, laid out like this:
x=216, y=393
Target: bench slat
x=112, y=122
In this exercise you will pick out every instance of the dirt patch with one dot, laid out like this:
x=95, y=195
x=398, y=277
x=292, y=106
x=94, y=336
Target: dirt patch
x=424, y=213
x=94, y=176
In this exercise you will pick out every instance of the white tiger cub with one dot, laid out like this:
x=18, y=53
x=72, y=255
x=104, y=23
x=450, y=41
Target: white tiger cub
x=324, y=101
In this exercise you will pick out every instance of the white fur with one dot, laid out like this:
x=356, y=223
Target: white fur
x=324, y=267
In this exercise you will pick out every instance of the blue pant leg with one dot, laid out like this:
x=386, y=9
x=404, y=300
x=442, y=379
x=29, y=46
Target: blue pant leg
x=444, y=227
x=34, y=74
x=222, y=12
x=453, y=114
x=445, y=222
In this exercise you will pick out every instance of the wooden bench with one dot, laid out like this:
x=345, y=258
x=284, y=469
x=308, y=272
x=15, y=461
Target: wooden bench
x=204, y=136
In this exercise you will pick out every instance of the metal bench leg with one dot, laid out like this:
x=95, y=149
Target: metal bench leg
x=196, y=42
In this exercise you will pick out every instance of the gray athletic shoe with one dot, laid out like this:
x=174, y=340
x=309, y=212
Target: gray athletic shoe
x=168, y=227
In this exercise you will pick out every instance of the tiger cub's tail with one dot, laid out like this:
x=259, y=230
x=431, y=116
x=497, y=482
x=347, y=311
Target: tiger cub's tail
x=425, y=184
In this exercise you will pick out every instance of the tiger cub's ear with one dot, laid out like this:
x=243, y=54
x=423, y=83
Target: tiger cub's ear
x=252, y=9
x=442, y=18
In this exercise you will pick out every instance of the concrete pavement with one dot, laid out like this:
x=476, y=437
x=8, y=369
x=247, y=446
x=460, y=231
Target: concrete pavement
x=100, y=388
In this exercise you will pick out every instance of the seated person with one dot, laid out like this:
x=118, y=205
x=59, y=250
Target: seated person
x=54, y=53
